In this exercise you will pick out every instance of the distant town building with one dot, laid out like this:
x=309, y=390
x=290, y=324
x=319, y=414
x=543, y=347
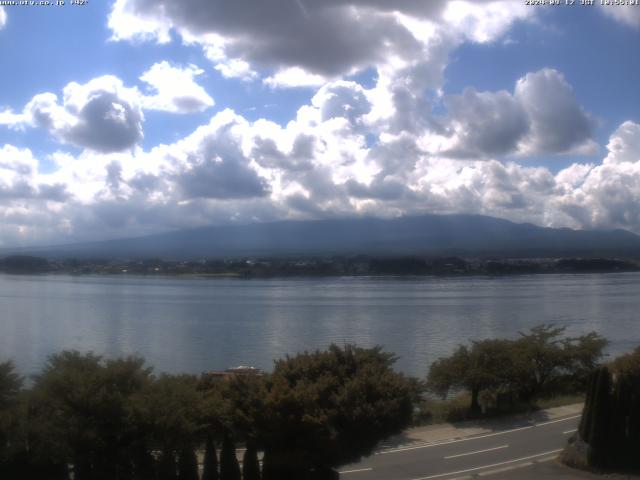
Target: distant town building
x=239, y=371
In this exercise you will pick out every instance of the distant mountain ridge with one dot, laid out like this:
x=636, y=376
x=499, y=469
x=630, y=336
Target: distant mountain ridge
x=419, y=235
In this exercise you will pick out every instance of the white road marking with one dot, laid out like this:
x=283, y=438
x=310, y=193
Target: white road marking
x=570, y=431
x=477, y=451
x=356, y=471
x=440, y=475
x=556, y=421
x=468, y=439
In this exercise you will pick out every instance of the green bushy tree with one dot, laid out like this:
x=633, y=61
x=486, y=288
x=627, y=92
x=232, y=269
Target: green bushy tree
x=85, y=403
x=329, y=408
x=486, y=365
x=541, y=362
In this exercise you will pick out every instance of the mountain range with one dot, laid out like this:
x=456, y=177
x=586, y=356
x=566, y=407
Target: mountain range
x=418, y=235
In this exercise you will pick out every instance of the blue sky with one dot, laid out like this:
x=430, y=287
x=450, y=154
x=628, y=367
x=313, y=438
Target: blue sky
x=129, y=117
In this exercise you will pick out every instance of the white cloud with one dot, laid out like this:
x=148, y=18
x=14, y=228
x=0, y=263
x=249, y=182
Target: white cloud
x=607, y=198
x=484, y=22
x=486, y=124
x=624, y=144
x=351, y=151
x=20, y=182
x=175, y=89
x=542, y=116
x=106, y=116
x=327, y=38
x=16, y=163
x=625, y=14
x=302, y=43
x=3, y=17
x=216, y=164
x=235, y=68
x=13, y=120
x=294, y=77
x=558, y=122
x=101, y=115
x=126, y=25
x=319, y=165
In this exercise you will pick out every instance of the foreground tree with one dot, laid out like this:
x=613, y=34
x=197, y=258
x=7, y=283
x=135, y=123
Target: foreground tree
x=250, y=463
x=229, y=467
x=329, y=408
x=187, y=464
x=210, y=467
x=486, y=365
x=545, y=362
x=540, y=362
x=610, y=424
x=242, y=412
x=85, y=403
x=10, y=389
x=168, y=414
x=167, y=466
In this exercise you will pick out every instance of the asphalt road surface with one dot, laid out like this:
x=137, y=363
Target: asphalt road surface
x=493, y=452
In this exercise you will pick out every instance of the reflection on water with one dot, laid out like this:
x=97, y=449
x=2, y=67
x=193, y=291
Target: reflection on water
x=192, y=325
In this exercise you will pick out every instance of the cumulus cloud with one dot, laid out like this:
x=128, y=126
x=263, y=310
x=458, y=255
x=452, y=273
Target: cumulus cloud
x=481, y=21
x=106, y=116
x=607, y=198
x=302, y=42
x=3, y=17
x=486, y=123
x=352, y=150
x=216, y=166
x=13, y=120
x=19, y=180
x=542, y=116
x=319, y=165
x=294, y=77
x=624, y=144
x=342, y=100
x=175, y=89
x=101, y=115
x=234, y=68
x=325, y=38
x=558, y=122
x=625, y=14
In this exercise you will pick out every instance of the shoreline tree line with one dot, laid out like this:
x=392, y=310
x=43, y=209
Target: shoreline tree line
x=317, y=266
x=94, y=418
x=540, y=363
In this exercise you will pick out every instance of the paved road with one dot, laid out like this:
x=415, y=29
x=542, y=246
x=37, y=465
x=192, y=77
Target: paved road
x=492, y=452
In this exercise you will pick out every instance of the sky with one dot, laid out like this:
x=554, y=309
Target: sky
x=130, y=117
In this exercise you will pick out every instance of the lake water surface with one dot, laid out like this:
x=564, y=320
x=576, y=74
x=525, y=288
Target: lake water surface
x=198, y=324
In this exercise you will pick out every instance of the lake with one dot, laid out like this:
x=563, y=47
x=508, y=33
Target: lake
x=198, y=324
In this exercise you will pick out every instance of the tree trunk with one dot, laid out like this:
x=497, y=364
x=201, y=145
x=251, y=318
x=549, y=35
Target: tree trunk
x=82, y=469
x=250, y=464
x=167, y=467
x=210, y=471
x=474, y=409
x=229, y=467
x=144, y=467
x=188, y=464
